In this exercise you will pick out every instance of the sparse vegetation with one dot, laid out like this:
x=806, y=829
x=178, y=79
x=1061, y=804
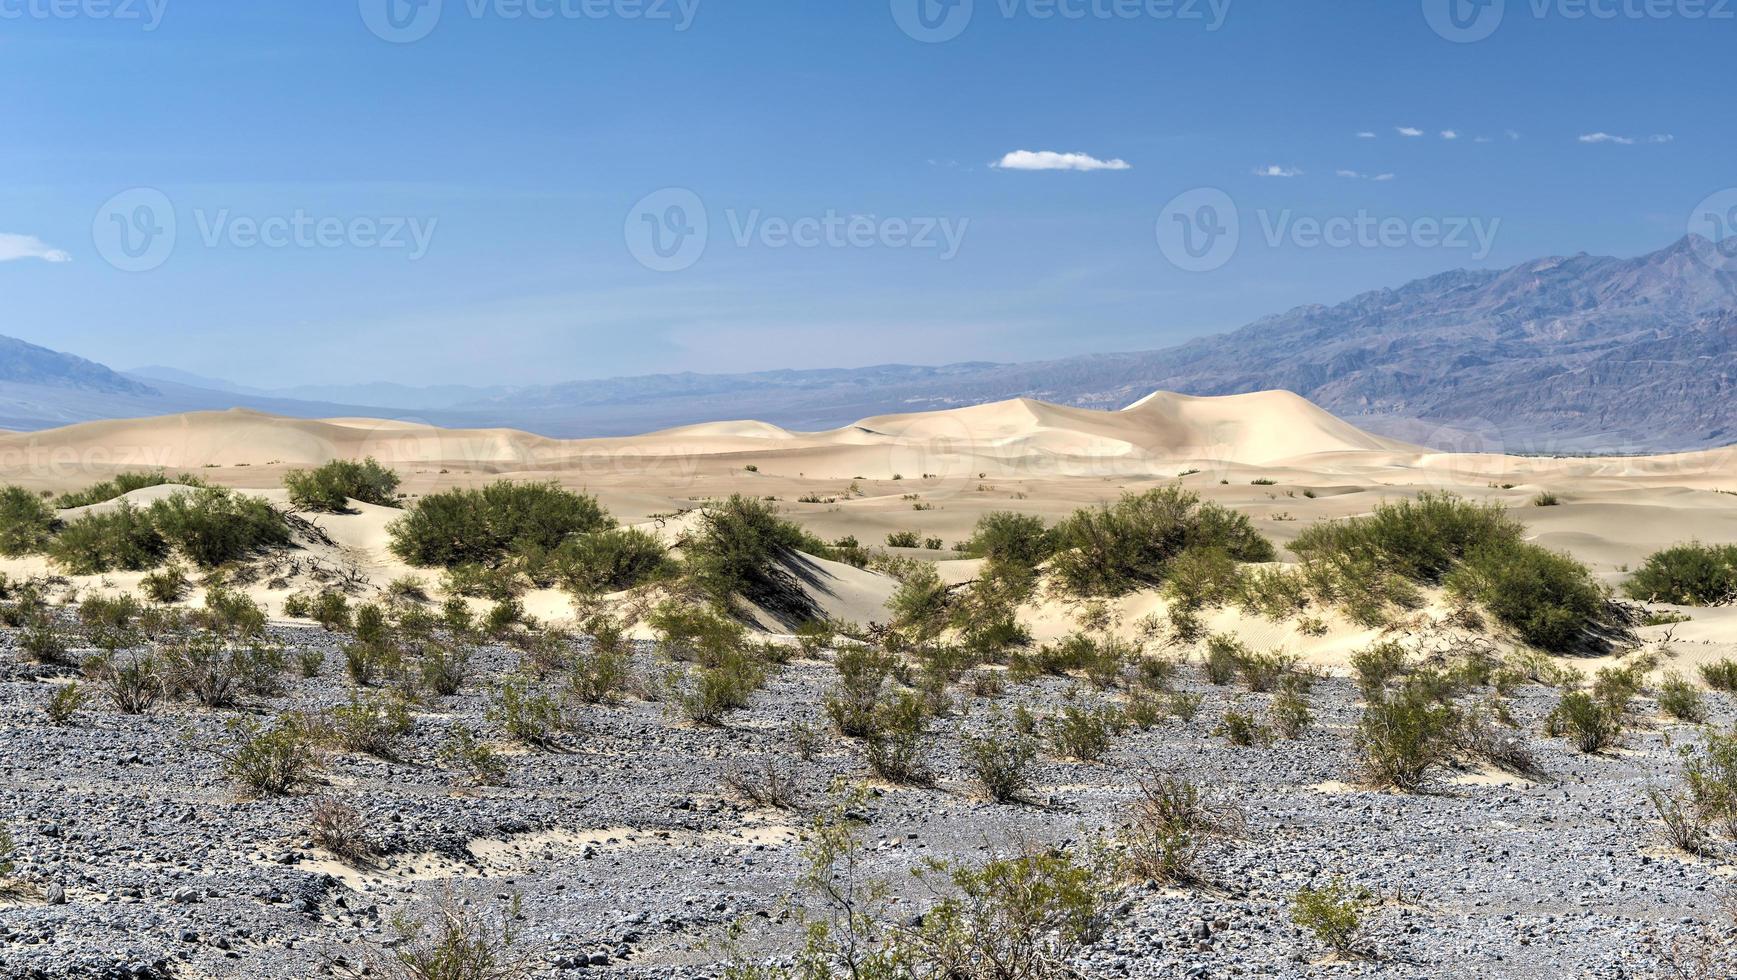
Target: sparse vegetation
x=1333, y=912
x=1691, y=574
x=489, y=525
x=331, y=487
x=1113, y=550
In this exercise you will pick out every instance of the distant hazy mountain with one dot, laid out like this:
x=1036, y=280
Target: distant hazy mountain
x=1562, y=354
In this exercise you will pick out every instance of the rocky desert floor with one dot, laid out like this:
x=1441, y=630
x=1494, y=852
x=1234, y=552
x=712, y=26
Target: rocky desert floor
x=630, y=857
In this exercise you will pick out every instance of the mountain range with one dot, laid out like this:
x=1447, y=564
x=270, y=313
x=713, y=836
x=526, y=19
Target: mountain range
x=1565, y=354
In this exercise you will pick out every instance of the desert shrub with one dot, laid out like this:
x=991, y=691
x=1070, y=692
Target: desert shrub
x=1683, y=824
x=122, y=484
x=904, y=539
x=1030, y=915
x=743, y=548
x=1378, y=665
x=166, y=585
x=767, y=786
x=894, y=744
x=459, y=942
x=1223, y=658
x=919, y=604
x=1691, y=574
x=1680, y=699
x=27, y=523
x=1546, y=499
x=234, y=612
x=1011, y=538
x=1720, y=675
x=1129, y=545
x=1405, y=734
x=200, y=667
x=1001, y=760
x=274, y=759
x=696, y=634
x=1289, y=712
x=1167, y=826
x=309, y=662
x=1201, y=577
x=444, y=668
x=42, y=643
x=1333, y=912
x=1262, y=672
x=1589, y=724
x=331, y=487
x=371, y=725
x=65, y=702
x=1084, y=734
x=526, y=714
x=1276, y=593
x=610, y=561
x=212, y=527
x=464, y=752
x=705, y=695
x=132, y=684
x=369, y=625
x=1617, y=687
x=337, y=827
x=599, y=673
x=123, y=539
x=484, y=527
x=1549, y=599
x=1422, y=539
x=862, y=673
x=1242, y=729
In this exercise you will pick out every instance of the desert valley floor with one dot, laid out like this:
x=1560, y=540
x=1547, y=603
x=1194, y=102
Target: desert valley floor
x=627, y=836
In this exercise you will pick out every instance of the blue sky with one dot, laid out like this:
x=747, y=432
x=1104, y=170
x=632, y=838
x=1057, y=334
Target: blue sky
x=485, y=190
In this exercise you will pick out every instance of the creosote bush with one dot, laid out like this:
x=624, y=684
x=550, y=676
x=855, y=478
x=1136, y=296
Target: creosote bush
x=1169, y=824
x=612, y=560
x=27, y=523
x=459, y=942
x=742, y=548
x=331, y=487
x=272, y=759
x=1001, y=760
x=1333, y=912
x=123, y=484
x=487, y=526
x=1404, y=735
x=1133, y=543
x=1692, y=574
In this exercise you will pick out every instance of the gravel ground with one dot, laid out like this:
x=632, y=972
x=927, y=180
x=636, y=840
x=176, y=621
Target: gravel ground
x=631, y=859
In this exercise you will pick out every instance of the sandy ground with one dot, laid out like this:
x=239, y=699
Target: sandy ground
x=936, y=473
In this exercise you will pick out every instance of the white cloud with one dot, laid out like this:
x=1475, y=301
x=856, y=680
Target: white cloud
x=1049, y=160
x=1365, y=135
x=1274, y=170
x=15, y=247
x=1480, y=139
x=1354, y=175
x=1512, y=135
x=1660, y=138
x=1382, y=178
x=1409, y=131
x=1448, y=134
x=1349, y=173
x=1607, y=138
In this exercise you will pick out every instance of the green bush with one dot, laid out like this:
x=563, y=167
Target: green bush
x=1242, y=729
x=1084, y=734
x=920, y=604
x=123, y=539
x=486, y=526
x=331, y=487
x=123, y=484
x=1001, y=760
x=271, y=759
x=167, y=585
x=1590, y=724
x=371, y=725
x=697, y=634
x=600, y=673
x=742, y=548
x=26, y=522
x=894, y=745
x=1720, y=675
x=610, y=561
x=1333, y=912
x=212, y=527
x=1691, y=574
x=904, y=539
x=705, y=695
x=466, y=753
x=1404, y=735
x=1421, y=540
x=1167, y=826
x=1378, y=665
x=1550, y=600
x=1680, y=699
x=1129, y=545
x=527, y=715
x=862, y=673
x=1004, y=537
